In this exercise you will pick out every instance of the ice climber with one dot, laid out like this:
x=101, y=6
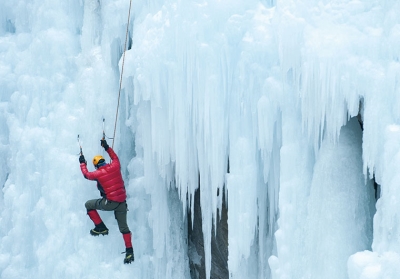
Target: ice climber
x=113, y=196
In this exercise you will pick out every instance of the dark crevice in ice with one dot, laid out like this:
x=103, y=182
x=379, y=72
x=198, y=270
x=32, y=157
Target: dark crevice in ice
x=360, y=118
x=219, y=243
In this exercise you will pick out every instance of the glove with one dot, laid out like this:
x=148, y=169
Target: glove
x=82, y=159
x=104, y=144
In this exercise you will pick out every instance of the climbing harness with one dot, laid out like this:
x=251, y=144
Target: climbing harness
x=122, y=71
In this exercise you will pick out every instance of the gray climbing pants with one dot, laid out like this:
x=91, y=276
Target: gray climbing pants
x=120, y=209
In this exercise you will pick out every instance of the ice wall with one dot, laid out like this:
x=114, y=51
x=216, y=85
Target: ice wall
x=318, y=63
x=252, y=98
x=343, y=65
x=208, y=107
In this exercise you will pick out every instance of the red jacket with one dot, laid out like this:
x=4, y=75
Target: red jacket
x=109, y=178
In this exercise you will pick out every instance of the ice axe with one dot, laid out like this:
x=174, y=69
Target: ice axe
x=104, y=133
x=80, y=146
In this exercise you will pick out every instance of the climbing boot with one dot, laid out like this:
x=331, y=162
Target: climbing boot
x=129, y=257
x=99, y=229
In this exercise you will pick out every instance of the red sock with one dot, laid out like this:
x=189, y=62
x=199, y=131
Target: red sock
x=127, y=239
x=94, y=216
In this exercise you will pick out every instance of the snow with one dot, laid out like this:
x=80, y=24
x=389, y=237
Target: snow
x=260, y=100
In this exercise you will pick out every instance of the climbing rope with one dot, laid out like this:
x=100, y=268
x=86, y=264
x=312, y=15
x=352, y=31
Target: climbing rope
x=122, y=71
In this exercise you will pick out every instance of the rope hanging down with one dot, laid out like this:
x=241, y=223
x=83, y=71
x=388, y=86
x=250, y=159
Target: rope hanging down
x=122, y=71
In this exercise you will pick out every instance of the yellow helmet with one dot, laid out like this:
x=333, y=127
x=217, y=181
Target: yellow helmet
x=98, y=159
